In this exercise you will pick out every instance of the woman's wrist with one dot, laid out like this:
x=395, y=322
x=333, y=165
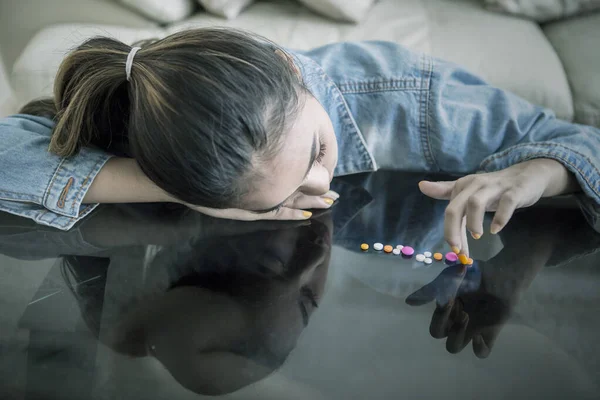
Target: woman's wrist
x=560, y=180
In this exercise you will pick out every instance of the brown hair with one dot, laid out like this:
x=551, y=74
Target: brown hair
x=200, y=106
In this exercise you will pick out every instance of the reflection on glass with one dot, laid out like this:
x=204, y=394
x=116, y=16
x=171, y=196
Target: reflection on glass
x=231, y=312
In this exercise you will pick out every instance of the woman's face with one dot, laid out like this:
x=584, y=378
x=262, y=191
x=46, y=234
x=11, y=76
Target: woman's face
x=304, y=164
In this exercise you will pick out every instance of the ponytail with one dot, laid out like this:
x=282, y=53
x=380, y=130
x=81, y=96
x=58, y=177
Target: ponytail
x=91, y=97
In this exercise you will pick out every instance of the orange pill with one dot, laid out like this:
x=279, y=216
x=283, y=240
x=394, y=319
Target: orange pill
x=387, y=248
x=470, y=261
x=364, y=247
x=438, y=256
x=463, y=259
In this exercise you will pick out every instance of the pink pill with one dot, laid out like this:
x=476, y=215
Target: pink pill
x=452, y=257
x=408, y=251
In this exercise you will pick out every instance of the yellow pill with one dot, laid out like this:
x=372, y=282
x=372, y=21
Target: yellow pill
x=364, y=247
x=438, y=256
x=463, y=259
x=387, y=248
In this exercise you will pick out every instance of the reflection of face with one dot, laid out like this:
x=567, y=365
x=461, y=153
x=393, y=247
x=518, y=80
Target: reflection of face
x=219, y=341
x=304, y=164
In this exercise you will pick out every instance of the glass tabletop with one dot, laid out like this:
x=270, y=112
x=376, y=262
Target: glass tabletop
x=158, y=302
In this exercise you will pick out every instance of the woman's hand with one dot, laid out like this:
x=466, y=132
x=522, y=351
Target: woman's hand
x=290, y=211
x=518, y=186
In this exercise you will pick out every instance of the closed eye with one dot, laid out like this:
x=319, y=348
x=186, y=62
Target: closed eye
x=322, y=152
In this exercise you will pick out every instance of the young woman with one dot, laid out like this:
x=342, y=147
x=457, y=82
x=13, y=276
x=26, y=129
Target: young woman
x=235, y=127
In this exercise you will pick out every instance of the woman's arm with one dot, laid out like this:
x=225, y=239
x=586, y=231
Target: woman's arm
x=59, y=192
x=122, y=181
x=526, y=151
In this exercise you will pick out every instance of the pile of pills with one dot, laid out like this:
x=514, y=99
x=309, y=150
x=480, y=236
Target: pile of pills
x=426, y=257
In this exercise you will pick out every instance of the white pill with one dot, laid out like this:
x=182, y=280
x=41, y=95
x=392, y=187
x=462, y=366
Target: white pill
x=428, y=260
x=427, y=254
x=396, y=251
x=400, y=247
x=420, y=257
x=378, y=246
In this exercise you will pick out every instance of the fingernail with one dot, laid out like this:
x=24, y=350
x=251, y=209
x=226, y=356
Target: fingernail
x=475, y=236
x=328, y=200
x=494, y=229
x=455, y=250
x=333, y=195
x=306, y=214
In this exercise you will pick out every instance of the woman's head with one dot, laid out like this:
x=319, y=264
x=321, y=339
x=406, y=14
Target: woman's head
x=215, y=117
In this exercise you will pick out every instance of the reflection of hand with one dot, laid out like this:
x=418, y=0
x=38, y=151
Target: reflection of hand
x=465, y=311
x=124, y=225
x=518, y=186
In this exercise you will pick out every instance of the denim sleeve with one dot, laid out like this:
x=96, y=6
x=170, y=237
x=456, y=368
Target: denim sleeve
x=476, y=127
x=39, y=185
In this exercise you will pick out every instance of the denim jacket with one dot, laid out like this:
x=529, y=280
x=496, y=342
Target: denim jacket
x=390, y=108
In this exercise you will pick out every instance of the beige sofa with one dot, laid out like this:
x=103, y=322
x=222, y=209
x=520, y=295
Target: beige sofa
x=556, y=65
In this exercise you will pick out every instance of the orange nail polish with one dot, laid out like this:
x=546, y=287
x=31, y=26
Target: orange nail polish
x=307, y=214
x=475, y=236
x=455, y=250
x=328, y=200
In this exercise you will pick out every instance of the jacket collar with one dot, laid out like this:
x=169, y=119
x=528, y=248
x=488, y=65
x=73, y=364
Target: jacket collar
x=353, y=155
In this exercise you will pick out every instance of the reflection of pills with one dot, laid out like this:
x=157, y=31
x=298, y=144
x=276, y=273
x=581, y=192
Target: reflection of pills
x=364, y=247
x=387, y=248
x=399, y=247
x=378, y=246
x=463, y=259
x=438, y=256
x=428, y=260
x=452, y=257
x=420, y=257
x=427, y=254
x=396, y=251
x=408, y=251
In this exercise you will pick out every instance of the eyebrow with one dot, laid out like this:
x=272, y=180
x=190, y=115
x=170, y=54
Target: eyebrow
x=313, y=157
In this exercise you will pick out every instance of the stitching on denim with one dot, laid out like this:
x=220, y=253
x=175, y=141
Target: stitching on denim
x=349, y=120
x=428, y=111
x=33, y=199
x=423, y=112
x=387, y=85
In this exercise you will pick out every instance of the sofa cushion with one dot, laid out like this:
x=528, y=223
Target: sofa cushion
x=514, y=54
x=162, y=11
x=577, y=42
x=34, y=71
x=340, y=10
x=511, y=53
x=543, y=10
x=225, y=8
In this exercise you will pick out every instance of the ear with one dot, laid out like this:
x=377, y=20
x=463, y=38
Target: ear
x=287, y=58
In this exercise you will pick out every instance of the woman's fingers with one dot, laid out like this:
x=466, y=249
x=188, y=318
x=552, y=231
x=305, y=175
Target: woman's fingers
x=480, y=202
x=437, y=190
x=508, y=203
x=454, y=228
x=304, y=202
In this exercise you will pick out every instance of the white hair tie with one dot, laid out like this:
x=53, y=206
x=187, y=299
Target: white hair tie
x=129, y=62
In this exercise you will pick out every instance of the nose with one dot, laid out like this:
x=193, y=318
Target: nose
x=317, y=182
